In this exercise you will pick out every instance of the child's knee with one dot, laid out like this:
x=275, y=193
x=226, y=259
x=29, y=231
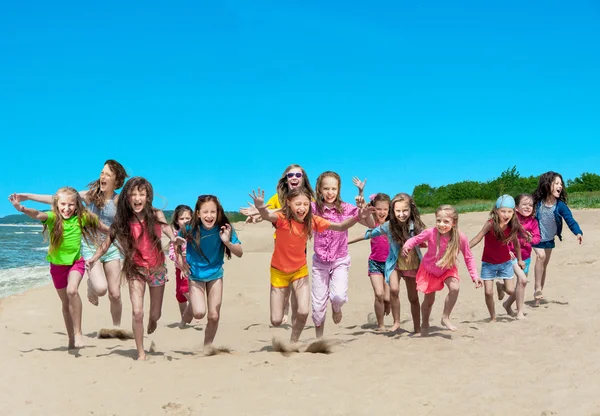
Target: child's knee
x=541, y=256
x=380, y=296
x=276, y=320
x=137, y=314
x=72, y=291
x=394, y=292
x=199, y=314
x=114, y=295
x=213, y=316
x=489, y=292
x=155, y=315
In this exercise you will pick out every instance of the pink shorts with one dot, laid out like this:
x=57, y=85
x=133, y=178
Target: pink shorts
x=429, y=283
x=182, y=285
x=60, y=272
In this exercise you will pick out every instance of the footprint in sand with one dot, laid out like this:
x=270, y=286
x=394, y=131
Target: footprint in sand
x=176, y=409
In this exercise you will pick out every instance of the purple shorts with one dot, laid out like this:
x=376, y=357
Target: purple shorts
x=60, y=272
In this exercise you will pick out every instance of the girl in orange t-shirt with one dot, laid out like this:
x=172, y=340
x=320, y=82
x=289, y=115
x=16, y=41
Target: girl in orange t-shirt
x=294, y=225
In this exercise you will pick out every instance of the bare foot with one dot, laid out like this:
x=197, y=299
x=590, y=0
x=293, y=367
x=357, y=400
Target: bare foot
x=520, y=315
x=71, y=344
x=151, y=326
x=493, y=319
x=78, y=341
x=142, y=357
x=337, y=316
x=395, y=327
x=387, y=308
x=424, y=331
x=319, y=331
x=91, y=295
x=500, y=290
x=182, y=324
x=284, y=320
x=508, y=309
x=538, y=295
x=448, y=324
x=380, y=328
x=417, y=330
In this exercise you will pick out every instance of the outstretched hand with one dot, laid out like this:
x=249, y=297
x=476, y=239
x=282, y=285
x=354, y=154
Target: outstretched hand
x=225, y=233
x=360, y=201
x=478, y=283
x=359, y=184
x=366, y=210
x=258, y=198
x=249, y=211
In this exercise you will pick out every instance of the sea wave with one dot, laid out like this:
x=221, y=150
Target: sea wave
x=40, y=249
x=20, y=279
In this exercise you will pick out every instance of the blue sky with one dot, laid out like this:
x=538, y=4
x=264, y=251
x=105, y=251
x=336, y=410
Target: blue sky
x=219, y=97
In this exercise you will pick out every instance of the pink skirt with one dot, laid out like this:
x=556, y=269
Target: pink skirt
x=429, y=283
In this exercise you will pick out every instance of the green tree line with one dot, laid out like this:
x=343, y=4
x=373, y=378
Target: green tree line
x=509, y=182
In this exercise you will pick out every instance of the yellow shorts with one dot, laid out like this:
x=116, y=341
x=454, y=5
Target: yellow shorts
x=282, y=279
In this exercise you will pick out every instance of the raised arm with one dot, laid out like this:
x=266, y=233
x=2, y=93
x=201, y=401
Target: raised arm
x=34, y=214
x=258, y=198
x=45, y=199
x=230, y=240
x=347, y=223
x=477, y=239
x=360, y=185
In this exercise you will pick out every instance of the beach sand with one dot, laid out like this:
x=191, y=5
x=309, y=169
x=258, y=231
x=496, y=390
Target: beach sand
x=548, y=364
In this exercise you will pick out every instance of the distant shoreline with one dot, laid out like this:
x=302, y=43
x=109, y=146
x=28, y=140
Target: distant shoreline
x=21, y=225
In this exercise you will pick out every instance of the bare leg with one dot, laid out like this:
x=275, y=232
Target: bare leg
x=548, y=255
x=413, y=298
x=75, y=306
x=509, y=287
x=540, y=271
x=488, y=286
x=137, y=289
x=519, y=294
x=426, y=306
x=197, y=297
x=395, y=299
x=156, y=298
x=279, y=296
x=214, y=297
x=378, y=283
x=387, y=307
x=112, y=270
x=302, y=292
x=453, y=289
x=286, y=307
x=96, y=284
x=62, y=294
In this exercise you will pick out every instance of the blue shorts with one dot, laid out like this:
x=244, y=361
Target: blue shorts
x=527, y=263
x=491, y=271
x=88, y=251
x=545, y=244
x=376, y=267
x=214, y=276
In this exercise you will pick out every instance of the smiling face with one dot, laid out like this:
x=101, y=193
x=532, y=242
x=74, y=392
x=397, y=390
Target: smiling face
x=402, y=211
x=329, y=189
x=300, y=206
x=504, y=215
x=444, y=222
x=294, y=177
x=525, y=207
x=67, y=205
x=107, y=179
x=208, y=214
x=184, y=219
x=138, y=197
x=382, y=209
x=556, y=187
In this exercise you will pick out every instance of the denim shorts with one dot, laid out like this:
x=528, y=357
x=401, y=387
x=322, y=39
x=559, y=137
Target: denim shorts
x=491, y=271
x=113, y=253
x=527, y=263
x=545, y=244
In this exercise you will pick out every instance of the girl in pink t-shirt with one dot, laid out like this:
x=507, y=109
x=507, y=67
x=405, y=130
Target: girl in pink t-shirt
x=380, y=248
x=438, y=266
x=181, y=217
x=137, y=228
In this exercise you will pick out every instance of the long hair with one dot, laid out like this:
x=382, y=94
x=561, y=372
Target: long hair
x=121, y=230
x=380, y=197
x=514, y=226
x=544, y=188
x=320, y=200
x=401, y=230
x=282, y=185
x=179, y=209
x=194, y=235
x=84, y=216
x=287, y=211
x=95, y=195
x=449, y=257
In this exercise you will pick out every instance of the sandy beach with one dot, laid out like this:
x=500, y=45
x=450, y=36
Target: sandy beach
x=548, y=364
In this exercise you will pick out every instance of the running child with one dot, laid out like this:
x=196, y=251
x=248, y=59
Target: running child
x=438, y=266
x=210, y=238
x=404, y=223
x=529, y=236
x=64, y=227
x=294, y=226
x=550, y=201
x=331, y=261
x=499, y=230
x=181, y=217
x=137, y=229
x=380, y=248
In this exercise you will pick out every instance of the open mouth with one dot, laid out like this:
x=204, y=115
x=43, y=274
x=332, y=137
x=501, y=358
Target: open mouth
x=137, y=206
x=293, y=183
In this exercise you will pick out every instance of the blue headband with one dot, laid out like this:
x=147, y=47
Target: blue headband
x=505, y=201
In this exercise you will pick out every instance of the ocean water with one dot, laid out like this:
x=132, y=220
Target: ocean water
x=23, y=264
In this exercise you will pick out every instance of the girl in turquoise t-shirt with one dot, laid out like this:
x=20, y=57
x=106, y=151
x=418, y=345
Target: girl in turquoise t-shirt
x=64, y=226
x=210, y=238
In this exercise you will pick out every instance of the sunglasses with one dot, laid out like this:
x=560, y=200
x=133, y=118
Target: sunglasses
x=207, y=196
x=296, y=174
